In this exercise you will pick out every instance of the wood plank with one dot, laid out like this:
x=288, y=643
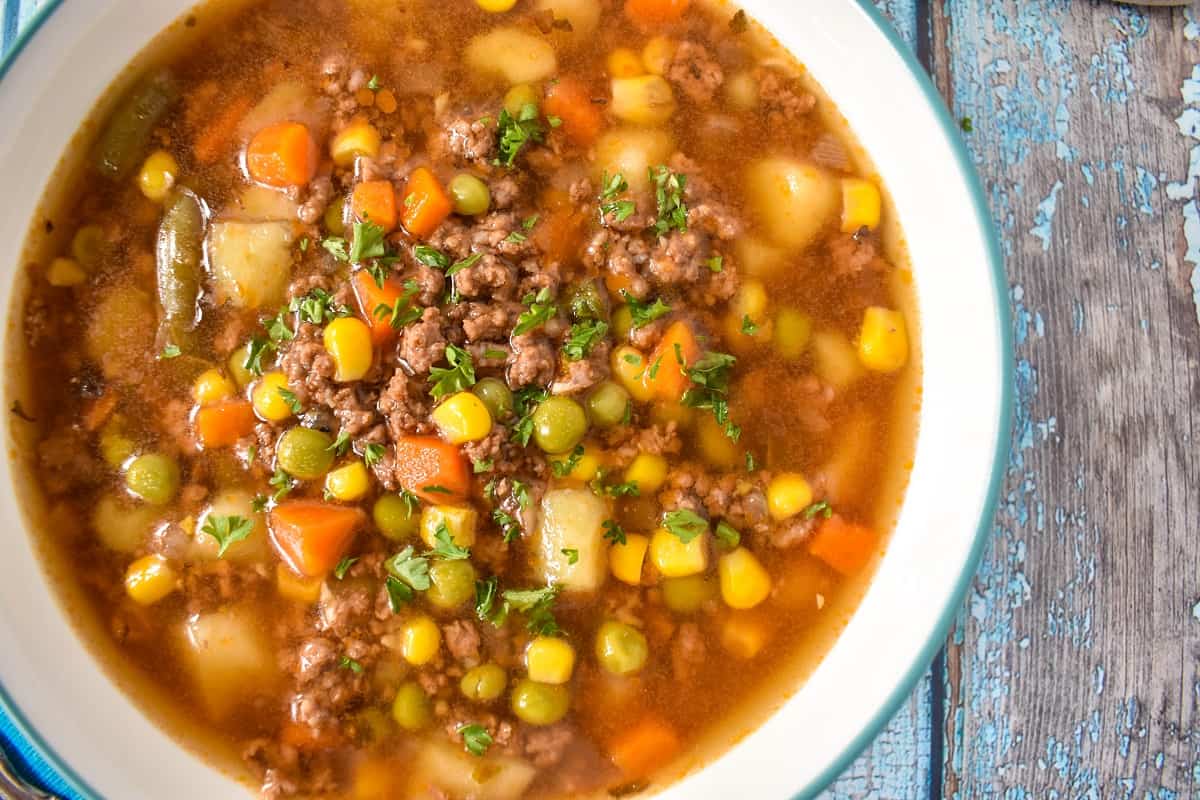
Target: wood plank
x=1074, y=671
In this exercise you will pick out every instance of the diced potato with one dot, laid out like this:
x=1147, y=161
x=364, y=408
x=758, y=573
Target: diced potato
x=511, y=54
x=584, y=16
x=631, y=152
x=759, y=259
x=644, y=100
x=842, y=475
x=287, y=101
x=446, y=767
x=744, y=635
x=228, y=658
x=793, y=200
x=122, y=527
x=251, y=262
x=716, y=447
x=572, y=520
x=741, y=90
x=260, y=204
x=120, y=332
x=236, y=503
x=835, y=359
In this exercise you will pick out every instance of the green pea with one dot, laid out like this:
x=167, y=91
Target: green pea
x=588, y=302
x=519, y=96
x=608, y=404
x=496, y=395
x=687, y=595
x=335, y=217
x=88, y=245
x=154, y=478
x=411, y=709
x=237, y=366
x=471, y=195
x=394, y=519
x=559, y=423
x=304, y=453
x=452, y=583
x=621, y=649
x=539, y=703
x=622, y=323
x=484, y=683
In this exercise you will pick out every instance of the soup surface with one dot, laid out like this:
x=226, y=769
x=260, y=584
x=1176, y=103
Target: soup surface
x=468, y=400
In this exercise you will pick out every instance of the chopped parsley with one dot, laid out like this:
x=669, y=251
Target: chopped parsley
x=821, y=508
x=486, y=592
x=466, y=263
x=344, y=566
x=379, y=272
x=613, y=532
x=668, y=194
x=572, y=555
x=525, y=401
x=515, y=132
x=445, y=548
x=516, y=237
x=610, y=187
x=374, y=84
x=476, y=739
x=520, y=493
x=540, y=311
x=684, y=524
x=433, y=487
x=341, y=445
x=562, y=469
x=317, y=307
x=283, y=484
x=510, y=526
x=644, y=313
x=411, y=501
x=483, y=465
x=368, y=242
x=750, y=465
x=402, y=312
x=373, y=453
x=227, y=530
x=626, y=489
x=431, y=257
x=410, y=568
x=582, y=337
x=710, y=377
x=346, y=662
x=459, y=375
x=537, y=606
x=290, y=398
x=716, y=263
x=336, y=247
x=259, y=503
x=727, y=535
x=529, y=222
x=749, y=328
x=170, y=351
x=399, y=593
x=304, y=244
x=258, y=347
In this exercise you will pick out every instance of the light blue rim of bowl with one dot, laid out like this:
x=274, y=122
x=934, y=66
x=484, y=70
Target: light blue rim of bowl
x=987, y=513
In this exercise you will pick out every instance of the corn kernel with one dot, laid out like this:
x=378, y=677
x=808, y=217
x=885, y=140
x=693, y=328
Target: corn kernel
x=359, y=138
x=305, y=591
x=625, y=560
x=792, y=332
x=149, y=579
x=648, y=471
x=65, y=272
x=268, y=402
x=348, y=340
x=460, y=521
x=463, y=417
x=657, y=55
x=861, y=205
x=157, y=175
x=420, y=640
x=629, y=364
x=787, y=495
x=348, y=483
x=549, y=660
x=743, y=636
x=496, y=6
x=624, y=63
x=212, y=386
x=586, y=466
x=883, y=342
x=673, y=558
x=744, y=581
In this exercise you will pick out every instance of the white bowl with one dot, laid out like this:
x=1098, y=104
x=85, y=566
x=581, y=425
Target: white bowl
x=104, y=747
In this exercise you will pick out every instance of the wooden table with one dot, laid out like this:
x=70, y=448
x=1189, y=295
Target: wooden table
x=1072, y=671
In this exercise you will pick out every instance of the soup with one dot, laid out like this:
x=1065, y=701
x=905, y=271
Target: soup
x=467, y=400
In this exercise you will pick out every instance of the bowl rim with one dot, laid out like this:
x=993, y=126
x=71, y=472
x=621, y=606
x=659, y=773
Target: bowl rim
x=40, y=750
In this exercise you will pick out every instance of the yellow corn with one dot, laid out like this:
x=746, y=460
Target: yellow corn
x=65, y=272
x=348, y=341
x=549, y=660
x=628, y=364
x=657, y=54
x=787, y=495
x=861, y=205
x=624, y=63
x=744, y=581
x=149, y=579
x=883, y=341
x=460, y=521
x=586, y=467
x=673, y=558
x=792, y=332
x=420, y=640
x=496, y=6
x=157, y=175
x=463, y=417
x=212, y=386
x=305, y=591
x=348, y=483
x=625, y=560
x=715, y=445
x=648, y=471
x=268, y=402
x=743, y=636
x=359, y=138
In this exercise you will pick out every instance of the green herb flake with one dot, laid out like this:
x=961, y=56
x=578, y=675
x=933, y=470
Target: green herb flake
x=466, y=263
x=749, y=328
x=283, y=484
x=716, y=263
x=290, y=398
x=582, y=337
x=374, y=84
x=346, y=662
x=613, y=532
x=445, y=548
x=685, y=524
x=368, y=242
x=727, y=535
x=259, y=503
x=820, y=508
x=668, y=194
x=750, y=465
x=967, y=125
x=476, y=739
x=344, y=566
x=562, y=469
x=170, y=351
x=710, y=377
x=644, y=313
x=483, y=465
x=487, y=591
x=529, y=222
x=341, y=445
x=459, y=375
x=540, y=311
x=226, y=530
x=510, y=526
x=515, y=132
x=516, y=237
x=336, y=247
x=373, y=453
x=572, y=555
x=520, y=492
x=537, y=606
x=410, y=568
x=431, y=257
x=399, y=593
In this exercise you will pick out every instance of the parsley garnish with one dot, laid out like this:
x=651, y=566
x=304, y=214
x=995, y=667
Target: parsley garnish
x=433, y=487
x=530, y=221
x=710, y=381
x=537, y=605
x=582, y=337
x=466, y=263
x=749, y=328
x=410, y=568
x=283, y=484
x=227, y=530
x=516, y=131
x=610, y=187
x=170, y=351
x=476, y=739
x=258, y=347
x=516, y=237
x=259, y=503
x=685, y=524
x=510, y=526
x=562, y=469
x=379, y=272
x=368, y=242
x=341, y=445
x=398, y=593
x=967, y=125
x=402, y=312
x=716, y=263
x=458, y=376
x=430, y=257
x=486, y=592
x=644, y=313
x=373, y=453
x=821, y=508
x=445, y=547
x=614, y=532
x=411, y=501
x=520, y=492
x=668, y=193
x=525, y=401
x=540, y=311
x=290, y=398
x=373, y=84
x=317, y=307
x=728, y=535
x=572, y=555
x=749, y=461
x=336, y=247
x=344, y=566
x=483, y=465
x=346, y=662
x=626, y=489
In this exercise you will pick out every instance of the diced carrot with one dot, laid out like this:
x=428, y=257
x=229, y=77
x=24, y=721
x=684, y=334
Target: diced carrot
x=284, y=154
x=646, y=746
x=570, y=101
x=223, y=424
x=304, y=737
x=617, y=283
x=99, y=411
x=664, y=375
x=217, y=134
x=310, y=536
x=655, y=12
x=556, y=235
x=375, y=201
x=425, y=203
x=843, y=545
x=425, y=465
x=371, y=296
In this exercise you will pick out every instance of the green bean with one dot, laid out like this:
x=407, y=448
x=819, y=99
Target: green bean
x=119, y=149
x=394, y=518
x=153, y=477
x=178, y=254
x=304, y=453
x=452, y=584
x=588, y=302
x=496, y=395
x=539, y=703
x=559, y=423
x=621, y=649
x=484, y=683
x=411, y=709
x=608, y=404
x=471, y=195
